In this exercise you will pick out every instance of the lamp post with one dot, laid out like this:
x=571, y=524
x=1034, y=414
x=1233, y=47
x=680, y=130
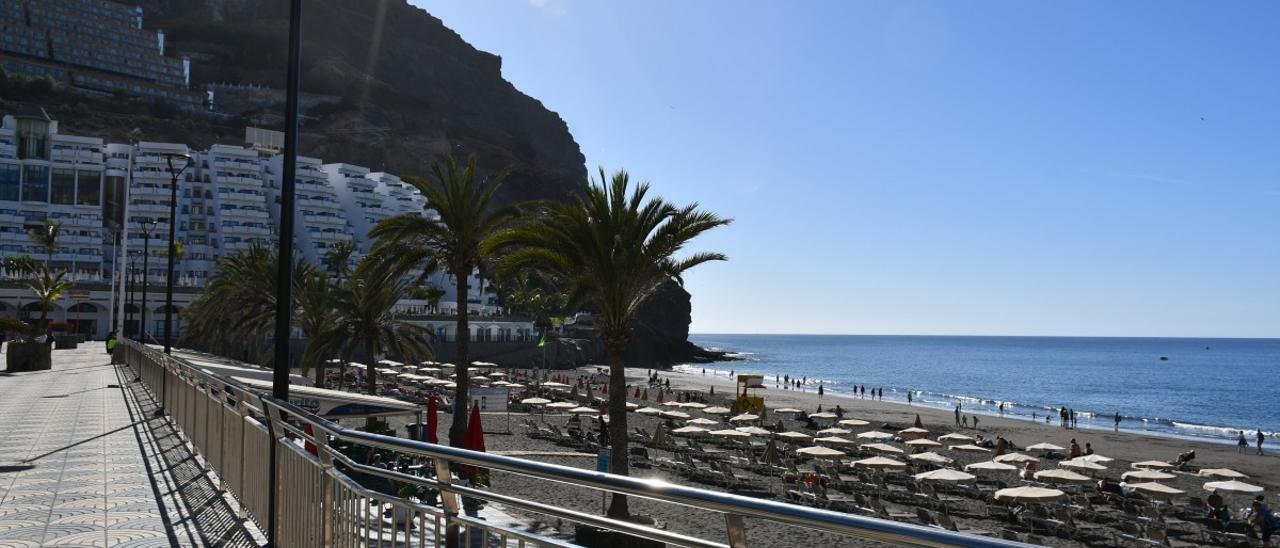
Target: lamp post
x=148, y=224
x=129, y=304
x=174, y=171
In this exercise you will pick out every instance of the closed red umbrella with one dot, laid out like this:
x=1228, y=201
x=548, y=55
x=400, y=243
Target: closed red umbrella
x=475, y=442
x=433, y=406
x=311, y=447
x=637, y=396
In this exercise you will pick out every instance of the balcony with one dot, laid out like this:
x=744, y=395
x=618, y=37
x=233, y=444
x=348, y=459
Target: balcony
x=8, y=151
x=75, y=156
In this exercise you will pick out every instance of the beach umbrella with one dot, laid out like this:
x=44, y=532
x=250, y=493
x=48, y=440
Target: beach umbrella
x=645, y=395
x=955, y=437
x=792, y=436
x=690, y=431
x=918, y=423
x=1045, y=447
x=1157, y=490
x=881, y=448
x=913, y=433
x=555, y=385
x=672, y=403
x=945, y=475
x=883, y=463
x=834, y=441
x=753, y=430
x=853, y=422
x=1220, y=473
x=631, y=406
x=771, y=455
x=584, y=411
x=820, y=452
x=1232, y=486
x=1147, y=475
x=561, y=405
x=833, y=432
x=482, y=378
x=930, y=457
x=1059, y=475
x=637, y=395
x=716, y=411
x=649, y=411
x=745, y=417
x=969, y=448
x=659, y=399
x=923, y=442
x=659, y=437
x=875, y=435
x=992, y=466
x=1029, y=494
x=702, y=422
x=1016, y=457
x=1153, y=465
x=681, y=415
x=433, y=418
x=788, y=410
x=695, y=405
x=474, y=441
x=1096, y=458
x=824, y=415
x=535, y=401
x=730, y=433
x=498, y=374
x=1080, y=464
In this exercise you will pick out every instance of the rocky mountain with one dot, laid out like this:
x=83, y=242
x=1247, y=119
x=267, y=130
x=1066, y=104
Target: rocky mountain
x=405, y=87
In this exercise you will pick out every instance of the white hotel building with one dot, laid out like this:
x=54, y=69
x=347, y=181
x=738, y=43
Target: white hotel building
x=228, y=199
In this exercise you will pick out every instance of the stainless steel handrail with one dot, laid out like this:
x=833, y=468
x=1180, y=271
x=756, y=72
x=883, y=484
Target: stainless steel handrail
x=735, y=507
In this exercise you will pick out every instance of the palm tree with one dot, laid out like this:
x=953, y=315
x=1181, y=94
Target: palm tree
x=48, y=287
x=366, y=319
x=467, y=220
x=338, y=259
x=316, y=317
x=612, y=248
x=540, y=305
x=47, y=237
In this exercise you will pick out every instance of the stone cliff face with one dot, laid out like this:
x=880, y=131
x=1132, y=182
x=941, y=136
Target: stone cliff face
x=408, y=88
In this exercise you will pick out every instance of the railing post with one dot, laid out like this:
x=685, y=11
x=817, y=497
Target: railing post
x=321, y=441
x=737, y=531
x=449, y=500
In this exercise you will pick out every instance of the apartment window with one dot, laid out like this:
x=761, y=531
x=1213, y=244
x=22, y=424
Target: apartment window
x=89, y=188
x=10, y=182
x=35, y=183
x=64, y=186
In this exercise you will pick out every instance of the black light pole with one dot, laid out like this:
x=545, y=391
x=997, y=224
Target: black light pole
x=174, y=172
x=148, y=224
x=284, y=277
x=129, y=306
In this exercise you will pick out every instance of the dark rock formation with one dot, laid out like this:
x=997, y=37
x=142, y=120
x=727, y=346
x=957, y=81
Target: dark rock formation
x=661, y=337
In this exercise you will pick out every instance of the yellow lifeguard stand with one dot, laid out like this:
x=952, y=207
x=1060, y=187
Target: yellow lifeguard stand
x=748, y=399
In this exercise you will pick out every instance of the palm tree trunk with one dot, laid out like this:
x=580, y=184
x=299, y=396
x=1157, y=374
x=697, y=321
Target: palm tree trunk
x=371, y=372
x=462, y=395
x=615, y=341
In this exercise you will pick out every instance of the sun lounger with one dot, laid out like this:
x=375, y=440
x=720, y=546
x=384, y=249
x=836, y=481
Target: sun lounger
x=946, y=522
x=880, y=509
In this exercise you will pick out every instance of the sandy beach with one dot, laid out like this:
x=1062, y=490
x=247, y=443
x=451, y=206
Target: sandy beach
x=1125, y=447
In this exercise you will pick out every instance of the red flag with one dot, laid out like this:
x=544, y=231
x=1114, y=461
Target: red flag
x=603, y=409
x=311, y=447
x=604, y=389
x=475, y=442
x=677, y=397
x=645, y=396
x=433, y=419
x=637, y=396
x=659, y=400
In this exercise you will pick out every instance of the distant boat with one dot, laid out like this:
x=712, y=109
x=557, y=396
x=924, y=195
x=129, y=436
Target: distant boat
x=1164, y=358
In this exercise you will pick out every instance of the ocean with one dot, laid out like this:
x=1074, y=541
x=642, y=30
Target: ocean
x=1207, y=389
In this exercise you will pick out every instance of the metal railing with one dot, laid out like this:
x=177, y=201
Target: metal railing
x=320, y=504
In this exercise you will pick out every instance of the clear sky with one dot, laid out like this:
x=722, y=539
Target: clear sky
x=1019, y=168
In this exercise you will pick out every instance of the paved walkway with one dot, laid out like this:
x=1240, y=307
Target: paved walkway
x=82, y=463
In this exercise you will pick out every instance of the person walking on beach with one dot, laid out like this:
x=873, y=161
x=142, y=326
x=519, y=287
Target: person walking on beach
x=1241, y=442
x=975, y=422
x=1117, y=426
x=819, y=390
x=957, y=414
x=864, y=391
x=1260, y=439
x=908, y=397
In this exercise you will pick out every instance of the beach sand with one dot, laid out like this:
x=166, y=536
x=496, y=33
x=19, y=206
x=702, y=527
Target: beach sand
x=1127, y=447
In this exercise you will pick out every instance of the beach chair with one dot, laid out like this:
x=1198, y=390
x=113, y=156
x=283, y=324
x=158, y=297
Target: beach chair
x=945, y=522
x=733, y=480
x=881, y=510
x=1076, y=529
x=1128, y=533
x=925, y=517
x=1007, y=534
x=1160, y=537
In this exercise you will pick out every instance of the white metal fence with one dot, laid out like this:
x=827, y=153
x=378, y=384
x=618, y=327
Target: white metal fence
x=320, y=504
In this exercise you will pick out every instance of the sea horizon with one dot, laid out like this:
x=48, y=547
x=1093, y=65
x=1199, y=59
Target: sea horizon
x=1203, y=388
x=1171, y=337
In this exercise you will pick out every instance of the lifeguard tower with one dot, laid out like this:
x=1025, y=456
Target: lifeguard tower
x=748, y=398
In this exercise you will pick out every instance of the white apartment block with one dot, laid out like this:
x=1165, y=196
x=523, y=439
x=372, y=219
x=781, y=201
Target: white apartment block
x=227, y=200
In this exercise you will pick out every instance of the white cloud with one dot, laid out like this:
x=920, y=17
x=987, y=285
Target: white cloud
x=550, y=7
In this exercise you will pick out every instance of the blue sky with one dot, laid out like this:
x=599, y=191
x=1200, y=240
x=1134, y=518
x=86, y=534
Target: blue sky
x=1017, y=168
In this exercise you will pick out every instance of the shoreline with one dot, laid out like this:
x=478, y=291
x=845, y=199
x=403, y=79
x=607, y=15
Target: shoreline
x=1125, y=444
x=987, y=407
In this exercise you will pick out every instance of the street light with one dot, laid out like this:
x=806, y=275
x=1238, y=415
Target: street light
x=174, y=171
x=148, y=224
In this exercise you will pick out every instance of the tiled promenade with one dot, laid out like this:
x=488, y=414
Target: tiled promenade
x=83, y=463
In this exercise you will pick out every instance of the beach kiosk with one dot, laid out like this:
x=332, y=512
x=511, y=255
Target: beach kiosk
x=748, y=399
